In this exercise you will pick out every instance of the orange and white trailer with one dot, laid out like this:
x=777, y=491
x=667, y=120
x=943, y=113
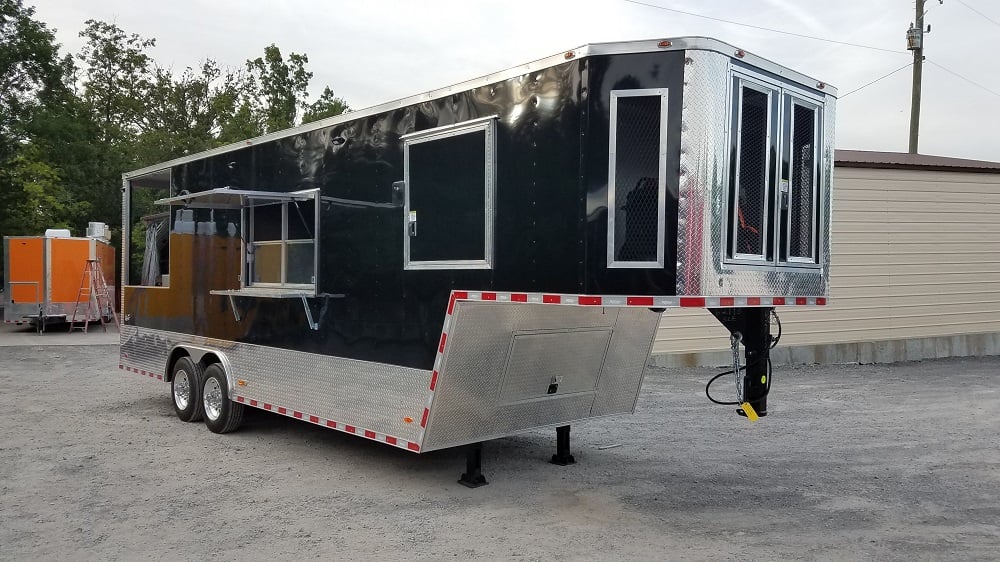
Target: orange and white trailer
x=45, y=275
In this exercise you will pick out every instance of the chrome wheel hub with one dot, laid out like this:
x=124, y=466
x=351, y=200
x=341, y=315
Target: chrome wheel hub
x=213, y=399
x=182, y=390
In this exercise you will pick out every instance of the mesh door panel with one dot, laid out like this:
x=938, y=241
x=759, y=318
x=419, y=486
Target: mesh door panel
x=802, y=205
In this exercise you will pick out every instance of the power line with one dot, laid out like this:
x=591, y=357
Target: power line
x=964, y=78
x=985, y=17
x=907, y=65
x=762, y=28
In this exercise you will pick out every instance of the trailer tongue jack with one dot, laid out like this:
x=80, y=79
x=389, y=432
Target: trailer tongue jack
x=752, y=328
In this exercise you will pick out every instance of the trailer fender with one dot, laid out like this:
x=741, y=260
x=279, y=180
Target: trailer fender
x=203, y=355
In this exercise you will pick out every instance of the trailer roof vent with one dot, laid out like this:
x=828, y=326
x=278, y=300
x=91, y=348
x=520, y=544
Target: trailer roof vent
x=57, y=233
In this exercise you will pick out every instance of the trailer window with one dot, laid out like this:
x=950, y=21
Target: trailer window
x=751, y=180
x=802, y=185
x=637, y=178
x=281, y=244
x=448, y=206
x=774, y=174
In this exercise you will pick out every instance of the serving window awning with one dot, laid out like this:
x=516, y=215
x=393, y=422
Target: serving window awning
x=226, y=198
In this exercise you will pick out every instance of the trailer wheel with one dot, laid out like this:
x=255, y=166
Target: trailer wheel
x=185, y=388
x=222, y=415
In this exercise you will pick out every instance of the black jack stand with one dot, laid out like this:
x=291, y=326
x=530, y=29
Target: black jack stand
x=754, y=324
x=757, y=341
x=473, y=476
x=562, y=456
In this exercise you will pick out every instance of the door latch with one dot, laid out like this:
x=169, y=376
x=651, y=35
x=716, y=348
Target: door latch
x=411, y=226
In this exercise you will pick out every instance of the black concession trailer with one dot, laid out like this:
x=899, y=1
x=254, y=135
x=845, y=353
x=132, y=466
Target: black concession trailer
x=486, y=258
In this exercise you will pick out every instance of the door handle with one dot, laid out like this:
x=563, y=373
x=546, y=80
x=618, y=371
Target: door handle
x=411, y=226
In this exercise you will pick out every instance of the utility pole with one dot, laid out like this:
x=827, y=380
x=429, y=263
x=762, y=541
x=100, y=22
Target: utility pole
x=915, y=43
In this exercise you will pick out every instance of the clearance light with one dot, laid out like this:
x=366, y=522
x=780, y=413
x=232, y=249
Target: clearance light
x=663, y=44
x=569, y=55
x=740, y=53
x=820, y=85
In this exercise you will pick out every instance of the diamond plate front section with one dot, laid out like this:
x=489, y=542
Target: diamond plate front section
x=373, y=396
x=702, y=211
x=470, y=403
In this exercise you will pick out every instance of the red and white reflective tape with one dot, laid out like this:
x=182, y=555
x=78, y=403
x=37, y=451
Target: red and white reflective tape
x=632, y=301
x=139, y=371
x=438, y=360
x=331, y=424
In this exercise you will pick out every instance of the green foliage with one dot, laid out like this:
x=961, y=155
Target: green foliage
x=68, y=132
x=31, y=71
x=327, y=105
x=116, y=79
x=283, y=86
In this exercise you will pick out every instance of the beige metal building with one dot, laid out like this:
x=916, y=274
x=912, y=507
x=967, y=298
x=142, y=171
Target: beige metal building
x=915, y=270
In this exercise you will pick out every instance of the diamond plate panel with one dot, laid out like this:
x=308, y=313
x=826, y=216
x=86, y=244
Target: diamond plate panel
x=468, y=405
x=374, y=396
x=146, y=349
x=703, y=189
x=571, y=359
x=625, y=364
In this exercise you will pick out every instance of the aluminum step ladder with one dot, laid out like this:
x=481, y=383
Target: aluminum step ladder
x=95, y=290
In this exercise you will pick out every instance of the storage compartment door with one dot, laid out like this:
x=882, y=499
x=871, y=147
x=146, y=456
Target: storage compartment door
x=25, y=271
x=449, y=197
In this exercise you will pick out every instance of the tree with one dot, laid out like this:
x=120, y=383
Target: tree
x=34, y=84
x=31, y=70
x=327, y=105
x=116, y=79
x=283, y=86
x=37, y=198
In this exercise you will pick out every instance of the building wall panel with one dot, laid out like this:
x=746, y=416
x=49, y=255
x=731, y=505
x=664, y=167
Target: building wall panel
x=916, y=254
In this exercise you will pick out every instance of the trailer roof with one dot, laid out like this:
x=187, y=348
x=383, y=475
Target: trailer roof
x=591, y=49
x=906, y=161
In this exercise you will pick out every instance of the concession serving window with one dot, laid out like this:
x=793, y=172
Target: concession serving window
x=279, y=233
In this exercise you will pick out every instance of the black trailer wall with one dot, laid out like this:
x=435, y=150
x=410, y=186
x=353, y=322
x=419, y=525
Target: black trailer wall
x=551, y=215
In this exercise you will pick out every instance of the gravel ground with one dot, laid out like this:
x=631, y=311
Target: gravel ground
x=897, y=462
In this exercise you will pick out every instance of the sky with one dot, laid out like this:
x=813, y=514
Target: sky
x=374, y=51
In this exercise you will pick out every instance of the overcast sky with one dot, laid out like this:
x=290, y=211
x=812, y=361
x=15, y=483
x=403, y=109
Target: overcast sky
x=375, y=51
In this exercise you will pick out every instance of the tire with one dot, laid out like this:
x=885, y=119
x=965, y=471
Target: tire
x=185, y=389
x=222, y=415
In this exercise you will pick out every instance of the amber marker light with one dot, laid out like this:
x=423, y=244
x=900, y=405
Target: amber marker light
x=241, y=382
x=664, y=44
x=408, y=419
x=741, y=53
x=569, y=55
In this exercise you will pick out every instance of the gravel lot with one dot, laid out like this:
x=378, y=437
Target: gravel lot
x=898, y=462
